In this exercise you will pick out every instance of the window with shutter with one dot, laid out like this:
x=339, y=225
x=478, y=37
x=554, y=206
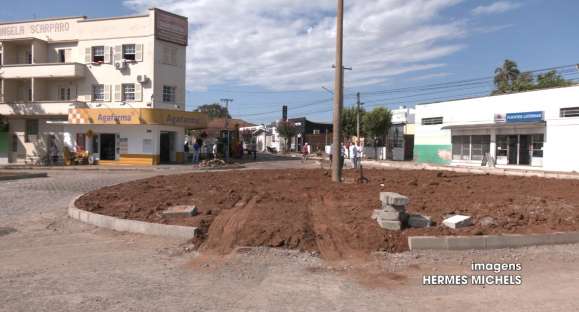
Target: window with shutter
x=139, y=52
x=138, y=93
x=118, y=93
x=129, y=52
x=107, y=93
x=118, y=55
x=88, y=55
x=107, y=55
x=98, y=54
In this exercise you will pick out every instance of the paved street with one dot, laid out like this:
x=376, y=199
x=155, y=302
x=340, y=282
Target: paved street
x=51, y=263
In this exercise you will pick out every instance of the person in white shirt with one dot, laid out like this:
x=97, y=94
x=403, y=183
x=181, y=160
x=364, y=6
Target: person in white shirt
x=353, y=151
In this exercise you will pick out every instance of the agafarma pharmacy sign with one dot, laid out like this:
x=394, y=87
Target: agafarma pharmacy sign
x=525, y=117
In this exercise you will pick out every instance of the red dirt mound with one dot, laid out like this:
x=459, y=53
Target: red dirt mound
x=302, y=209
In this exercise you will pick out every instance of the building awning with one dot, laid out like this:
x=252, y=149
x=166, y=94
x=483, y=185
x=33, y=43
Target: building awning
x=502, y=125
x=137, y=116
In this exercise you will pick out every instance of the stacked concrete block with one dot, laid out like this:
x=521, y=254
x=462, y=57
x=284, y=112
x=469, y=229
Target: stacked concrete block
x=392, y=214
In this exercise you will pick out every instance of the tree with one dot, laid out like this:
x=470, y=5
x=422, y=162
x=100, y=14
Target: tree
x=349, y=120
x=286, y=130
x=509, y=79
x=377, y=123
x=505, y=77
x=214, y=110
x=551, y=79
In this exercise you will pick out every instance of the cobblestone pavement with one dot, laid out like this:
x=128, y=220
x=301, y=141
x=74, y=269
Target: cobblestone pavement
x=51, y=263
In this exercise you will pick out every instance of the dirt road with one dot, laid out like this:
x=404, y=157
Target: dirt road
x=51, y=263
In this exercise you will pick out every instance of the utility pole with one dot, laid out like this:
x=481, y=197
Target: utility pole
x=338, y=95
x=359, y=104
x=227, y=101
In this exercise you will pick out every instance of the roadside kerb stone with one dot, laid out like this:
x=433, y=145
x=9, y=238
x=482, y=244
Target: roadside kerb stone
x=490, y=241
x=20, y=176
x=131, y=226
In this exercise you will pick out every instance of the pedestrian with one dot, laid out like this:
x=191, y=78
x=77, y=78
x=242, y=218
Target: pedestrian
x=208, y=150
x=342, y=155
x=254, y=150
x=354, y=156
x=305, y=151
x=196, y=152
x=214, y=151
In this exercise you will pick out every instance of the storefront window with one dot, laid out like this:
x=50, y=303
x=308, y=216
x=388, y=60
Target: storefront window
x=480, y=146
x=467, y=147
x=502, y=145
x=80, y=142
x=31, y=130
x=538, y=145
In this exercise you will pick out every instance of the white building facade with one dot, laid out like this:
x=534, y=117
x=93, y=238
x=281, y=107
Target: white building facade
x=530, y=130
x=97, y=85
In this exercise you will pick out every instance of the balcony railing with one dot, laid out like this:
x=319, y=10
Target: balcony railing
x=48, y=70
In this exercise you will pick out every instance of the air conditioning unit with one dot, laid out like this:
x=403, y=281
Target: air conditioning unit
x=120, y=65
x=142, y=78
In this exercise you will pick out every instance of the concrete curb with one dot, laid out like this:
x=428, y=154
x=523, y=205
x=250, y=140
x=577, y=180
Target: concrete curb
x=479, y=170
x=21, y=176
x=491, y=241
x=131, y=226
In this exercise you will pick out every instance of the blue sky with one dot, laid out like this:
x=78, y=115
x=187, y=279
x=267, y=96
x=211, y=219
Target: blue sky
x=264, y=54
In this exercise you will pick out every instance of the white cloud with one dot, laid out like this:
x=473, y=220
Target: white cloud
x=497, y=7
x=430, y=76
x=290, y=44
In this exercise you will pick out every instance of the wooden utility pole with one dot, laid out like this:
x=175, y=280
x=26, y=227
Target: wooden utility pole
x=227, y=101
x=359, y=104
x=338, y=96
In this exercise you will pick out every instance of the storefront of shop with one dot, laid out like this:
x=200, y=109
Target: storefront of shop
x=131, y=136
x=531, y=130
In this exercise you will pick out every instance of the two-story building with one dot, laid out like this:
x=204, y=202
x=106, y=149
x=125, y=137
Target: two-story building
x=114, y=87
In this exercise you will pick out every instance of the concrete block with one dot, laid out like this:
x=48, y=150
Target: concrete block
x=427, y=242
x=465, y=242
x=393, y=199
x=180, y=212
x=457, y=221
x=375, y=213
x=387, y=215
x=392, y=208
x=390, y=225
x=419, y=221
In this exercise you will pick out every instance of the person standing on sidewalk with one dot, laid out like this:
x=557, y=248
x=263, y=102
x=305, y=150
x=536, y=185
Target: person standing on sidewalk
x=353, y=151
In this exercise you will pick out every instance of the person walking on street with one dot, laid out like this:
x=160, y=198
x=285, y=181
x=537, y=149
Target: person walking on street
x=305, y=152
x=196, y=152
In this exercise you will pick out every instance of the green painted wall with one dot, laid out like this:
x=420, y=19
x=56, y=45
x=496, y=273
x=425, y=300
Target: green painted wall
x=433, y=154
x=4, y=136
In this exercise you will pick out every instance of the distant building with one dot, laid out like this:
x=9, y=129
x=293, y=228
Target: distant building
x=528, y=130
x=401, y=134
x=316, y=134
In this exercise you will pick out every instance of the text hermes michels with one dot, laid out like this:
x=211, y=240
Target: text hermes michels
x=497, y=274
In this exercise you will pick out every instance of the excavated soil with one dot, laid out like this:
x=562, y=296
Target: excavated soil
x=302, y=209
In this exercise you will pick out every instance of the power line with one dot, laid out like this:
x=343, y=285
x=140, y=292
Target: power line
x=442, y=87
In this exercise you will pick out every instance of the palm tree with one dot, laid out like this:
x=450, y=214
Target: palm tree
x=505, y=76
